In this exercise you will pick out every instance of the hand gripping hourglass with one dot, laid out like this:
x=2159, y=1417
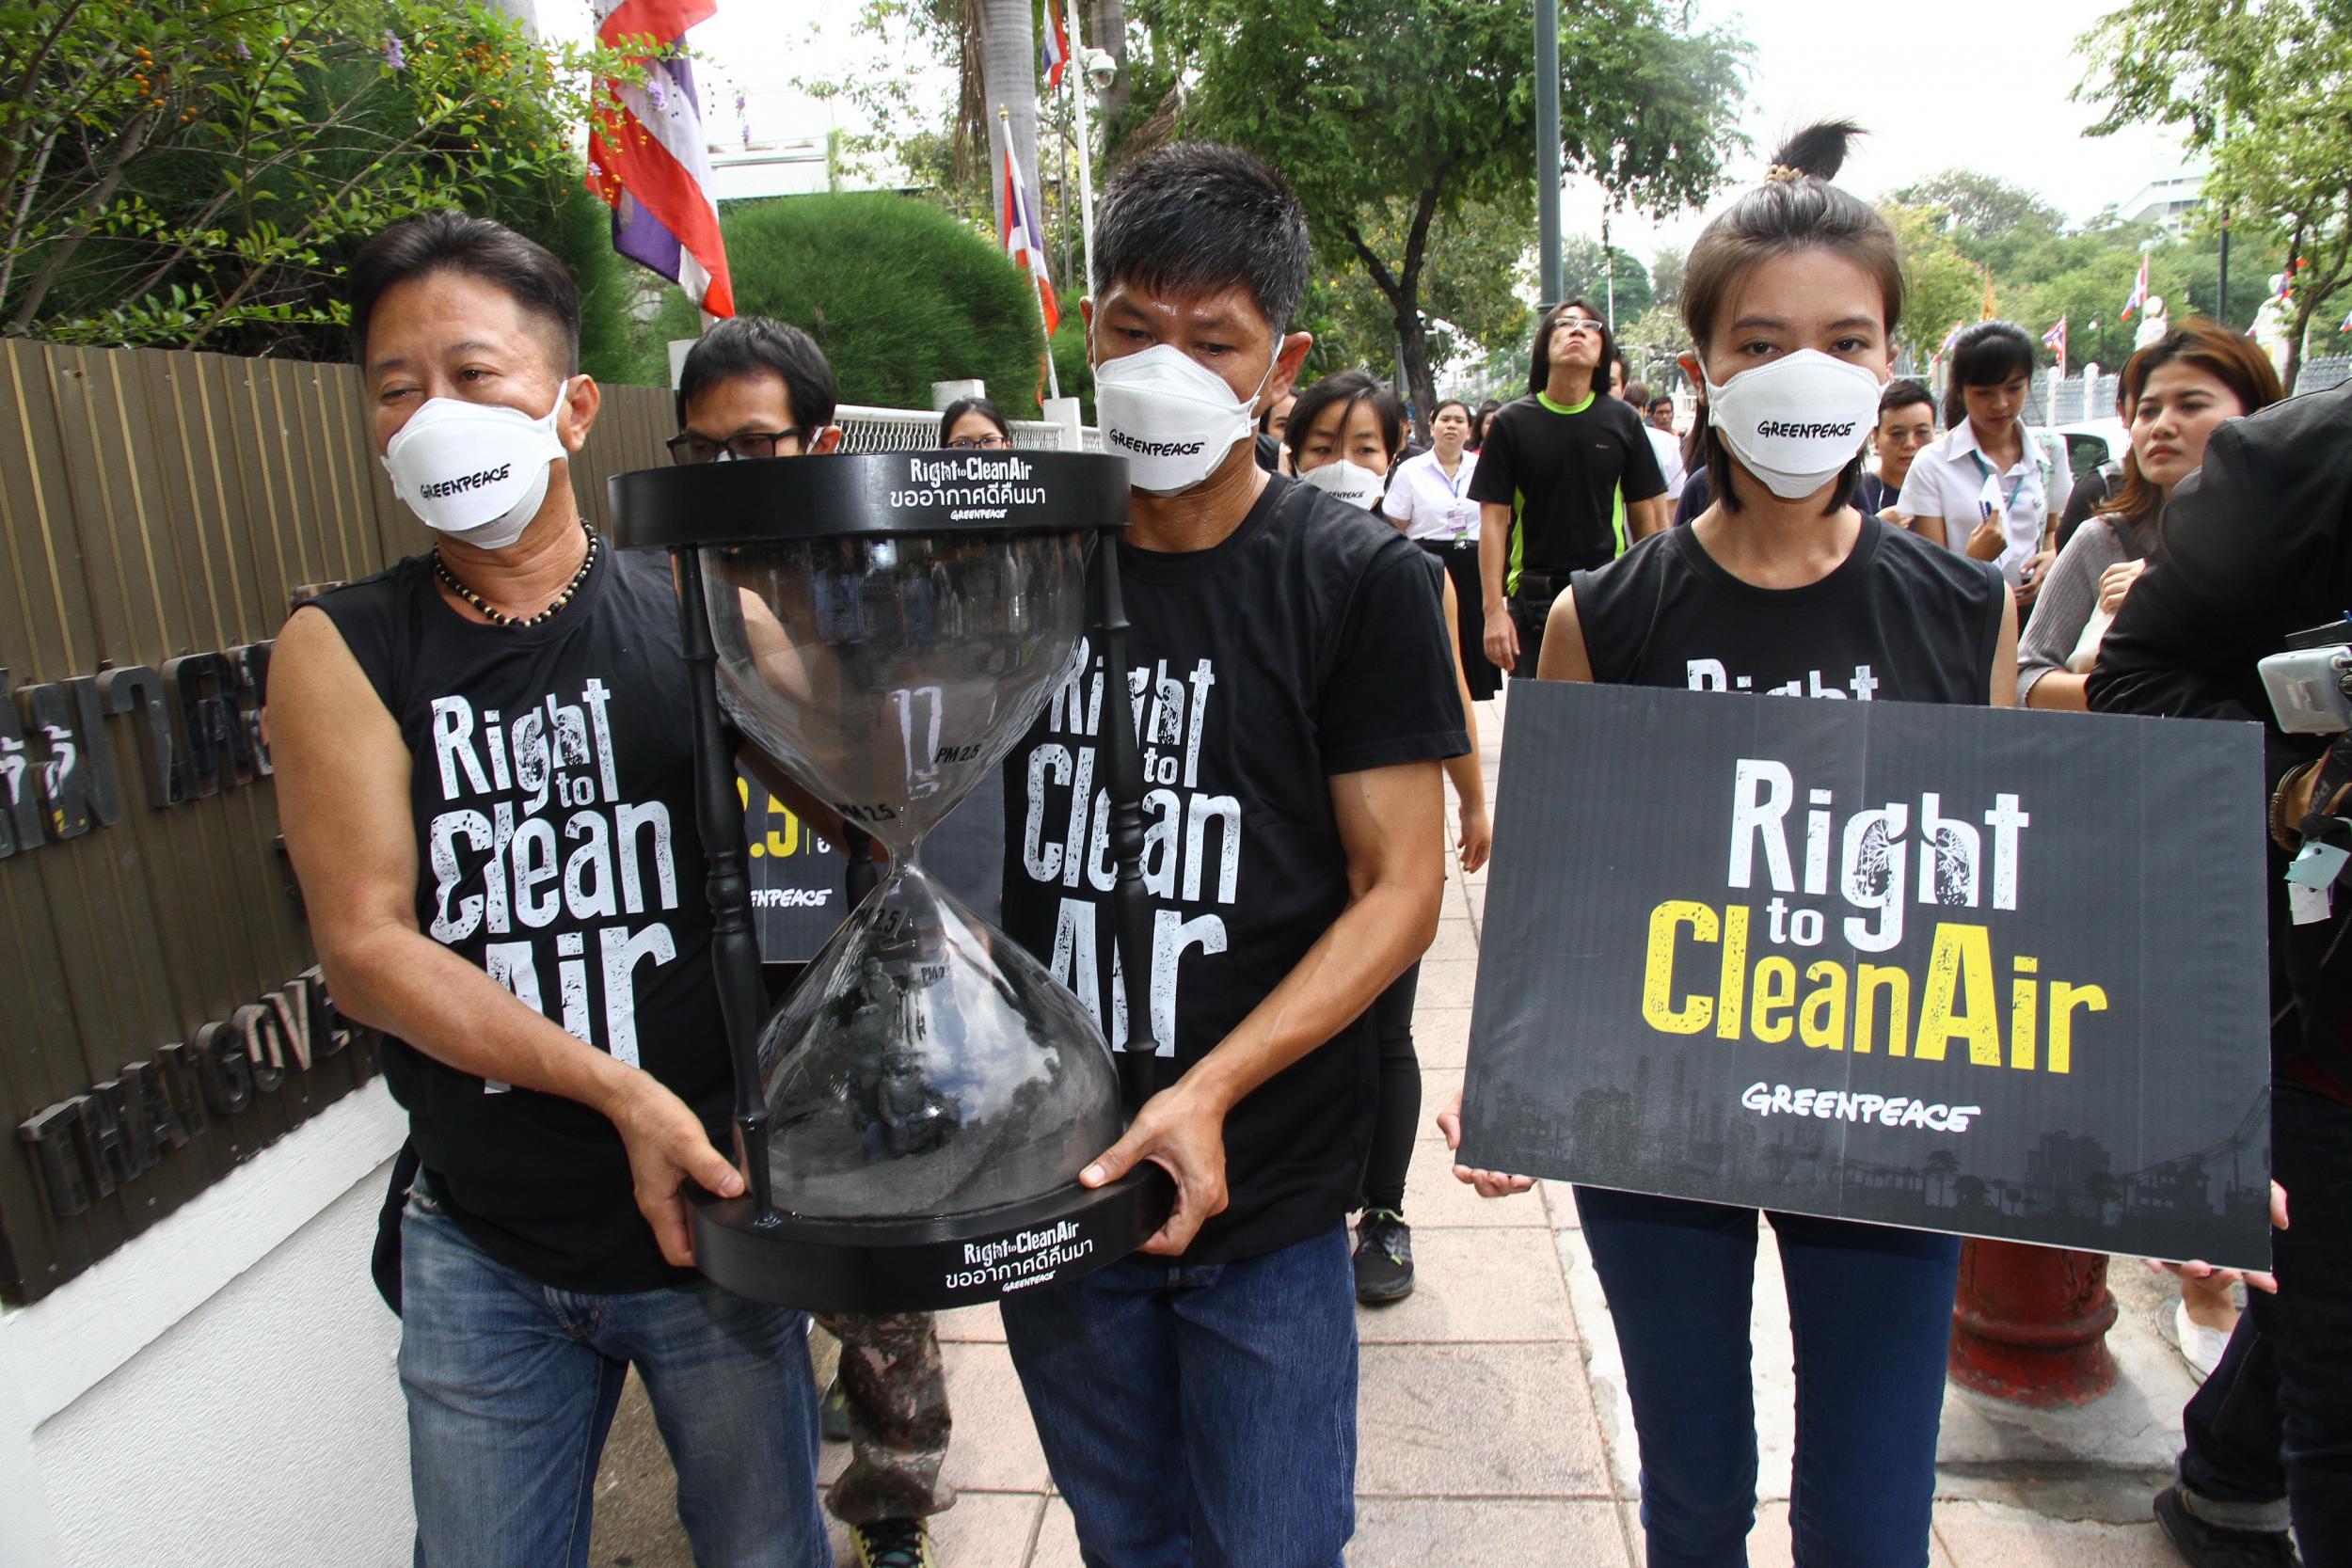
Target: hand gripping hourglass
x=911, y=1122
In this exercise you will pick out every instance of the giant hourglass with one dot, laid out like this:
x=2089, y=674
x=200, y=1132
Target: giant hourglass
x=883, y=628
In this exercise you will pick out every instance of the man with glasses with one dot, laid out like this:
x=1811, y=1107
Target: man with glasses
x=753, y=387
x=1566, y=480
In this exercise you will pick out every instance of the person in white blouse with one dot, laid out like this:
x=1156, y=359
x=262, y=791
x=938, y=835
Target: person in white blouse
x=1429, y=499
x=1977, y=488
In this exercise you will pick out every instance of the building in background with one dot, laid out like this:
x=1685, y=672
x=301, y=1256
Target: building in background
x=2171, y=197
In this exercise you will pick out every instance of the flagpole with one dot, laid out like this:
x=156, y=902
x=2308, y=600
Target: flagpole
x=1079, y=87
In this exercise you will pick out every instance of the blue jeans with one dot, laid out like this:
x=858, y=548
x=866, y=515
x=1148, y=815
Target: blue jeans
x=510, y=1390
x=1871, y=1311
x=1201, y=1416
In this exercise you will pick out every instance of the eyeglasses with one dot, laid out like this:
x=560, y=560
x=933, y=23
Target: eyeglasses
x=978, y=443
x=687, y=447
x=1580, y=327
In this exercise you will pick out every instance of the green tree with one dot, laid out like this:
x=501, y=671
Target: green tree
x=928, y=299
x=1652, y=343
x=1665, y=277
x=1584, y=271
x=2265, y=91
x=1469, y=294
x=1943, y=288
x=1388, y=115
x=1990, y=219
x=197, y=175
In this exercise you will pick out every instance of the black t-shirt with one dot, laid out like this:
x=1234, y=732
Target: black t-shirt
x=1309, y=643
x=1873, y=494
x=552, y=782
x=1696, y=496
x=1899, y=620
x=1568, y=475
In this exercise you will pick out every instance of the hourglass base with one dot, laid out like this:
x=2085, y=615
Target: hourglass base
x=928, y=1266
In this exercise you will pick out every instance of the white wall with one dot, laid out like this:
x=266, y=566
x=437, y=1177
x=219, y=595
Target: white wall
x=220, y=1393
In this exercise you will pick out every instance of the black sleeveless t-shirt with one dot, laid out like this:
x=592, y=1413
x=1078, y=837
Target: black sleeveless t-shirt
x=1899, y=620
x=551, y=784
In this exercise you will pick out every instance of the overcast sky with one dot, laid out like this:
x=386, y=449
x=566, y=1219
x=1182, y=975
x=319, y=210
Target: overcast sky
x=1984, y=84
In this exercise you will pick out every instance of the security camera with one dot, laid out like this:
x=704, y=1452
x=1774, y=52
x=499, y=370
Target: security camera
x=1101, y=70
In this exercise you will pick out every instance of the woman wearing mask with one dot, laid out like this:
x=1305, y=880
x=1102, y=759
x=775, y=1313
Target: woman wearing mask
x=1429, y=499
x=1791, y=296
x=1342, y=435
x=2175, y=391
x=1977, y=488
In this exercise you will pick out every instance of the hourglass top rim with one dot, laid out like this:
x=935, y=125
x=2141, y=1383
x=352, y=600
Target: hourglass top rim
x=897, y=494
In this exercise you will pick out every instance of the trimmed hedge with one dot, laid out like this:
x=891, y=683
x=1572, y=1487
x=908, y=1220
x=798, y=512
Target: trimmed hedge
x=899, y=295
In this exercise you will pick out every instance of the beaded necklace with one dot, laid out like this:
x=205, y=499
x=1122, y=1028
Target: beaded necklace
x=499, y=617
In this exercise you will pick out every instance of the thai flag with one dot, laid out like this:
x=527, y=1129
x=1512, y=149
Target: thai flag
x=2139, y=292
x=1024, y=241
x=1950, y=338
x=1054, y=54
x=2055, y=340
x=647, y=157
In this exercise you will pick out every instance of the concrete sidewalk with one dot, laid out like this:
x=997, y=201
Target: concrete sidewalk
x=1494, y=1426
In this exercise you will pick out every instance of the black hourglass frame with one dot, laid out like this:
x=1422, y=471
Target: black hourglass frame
x=749, y=1244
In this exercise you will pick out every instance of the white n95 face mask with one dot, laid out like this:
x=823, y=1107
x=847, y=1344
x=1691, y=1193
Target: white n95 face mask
x=1353, y=483
x=1172, y=418
x=475, y=471
x=1797, y=420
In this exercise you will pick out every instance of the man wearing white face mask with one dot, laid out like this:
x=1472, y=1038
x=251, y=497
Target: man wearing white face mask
x=488, y=800
x=1292, y=686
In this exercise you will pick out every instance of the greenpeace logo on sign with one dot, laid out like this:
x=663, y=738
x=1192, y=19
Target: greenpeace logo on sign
x=1805, y=432
x=464, y=482
x=791, y=898
x=1125, y=442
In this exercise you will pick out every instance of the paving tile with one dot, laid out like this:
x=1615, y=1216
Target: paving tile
x=985, y=1530
x=1769, y=1544
x=1987, y=1535
x=1474, y=1286
x=1455, y=941
x=971, y=1326
x=1433, y=1198
x=1447, y=983
x=1056, y=1539
x=1420, y=1532
x=1441, y=1036
x=1477, y=1421
x=994, y=1446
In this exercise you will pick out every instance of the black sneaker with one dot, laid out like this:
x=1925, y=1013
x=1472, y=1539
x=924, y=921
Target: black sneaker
x=1384, y=1257
x=893, y=1544
x=2204, y=1545
x=833, y=1413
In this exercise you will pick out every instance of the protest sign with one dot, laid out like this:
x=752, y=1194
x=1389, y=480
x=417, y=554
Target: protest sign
x=799, y=880
x=1972, y=969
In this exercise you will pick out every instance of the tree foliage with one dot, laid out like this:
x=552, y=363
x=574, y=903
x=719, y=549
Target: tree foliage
x=926, y=300
x=197, y=174
x=1388, y=116
x=2265, y=91
x=1587, y=271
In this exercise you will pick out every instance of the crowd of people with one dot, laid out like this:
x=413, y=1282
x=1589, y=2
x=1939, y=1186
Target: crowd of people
x=1357, y=596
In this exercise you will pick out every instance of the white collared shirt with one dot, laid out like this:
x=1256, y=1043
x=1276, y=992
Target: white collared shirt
x=1668, y=450
x=1430, y=505
x=1953, y=480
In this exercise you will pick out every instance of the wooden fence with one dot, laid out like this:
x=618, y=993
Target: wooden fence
x=158, y=514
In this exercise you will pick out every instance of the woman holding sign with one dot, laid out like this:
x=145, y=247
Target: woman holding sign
x=1781, y=587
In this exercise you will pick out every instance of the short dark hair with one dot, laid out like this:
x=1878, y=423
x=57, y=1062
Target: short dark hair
x=1195, y=217
x=1902, y=394
x=1347, y=388
x=1638, y=395
x=1539, y=362
x=1444, y=403
x=479, y=247
x=1650, y=405
x=759, y=345
x=961, y=406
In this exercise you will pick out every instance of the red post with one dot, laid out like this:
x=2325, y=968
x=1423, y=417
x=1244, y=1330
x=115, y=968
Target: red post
x=2031, y=1323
